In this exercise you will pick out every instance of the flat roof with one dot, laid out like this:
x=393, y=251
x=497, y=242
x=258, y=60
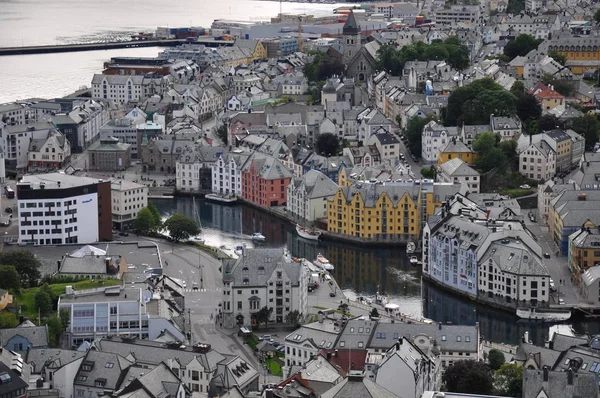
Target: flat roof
x=57, y=181
x=107, y=294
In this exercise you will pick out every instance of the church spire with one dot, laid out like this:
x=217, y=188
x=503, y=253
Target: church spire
x=351, y=27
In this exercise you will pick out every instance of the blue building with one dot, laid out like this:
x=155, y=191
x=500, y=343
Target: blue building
x=25, y=336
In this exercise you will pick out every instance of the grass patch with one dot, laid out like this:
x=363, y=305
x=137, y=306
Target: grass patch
x=252, y=341
x=516, y=192
x=27, y=298
x=274, y=367
x=319, y=307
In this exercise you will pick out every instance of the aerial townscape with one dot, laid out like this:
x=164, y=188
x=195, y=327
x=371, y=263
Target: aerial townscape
x=373, y=200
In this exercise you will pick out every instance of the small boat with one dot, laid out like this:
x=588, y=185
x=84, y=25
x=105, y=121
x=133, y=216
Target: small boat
x=544, y=314
x=239, y=250
x=224, y=199
x=258, y=237
x=307, y=233
x=410, y=248
x=198, y=239
x=414, y=260
x=392, y=309
x=323, y=263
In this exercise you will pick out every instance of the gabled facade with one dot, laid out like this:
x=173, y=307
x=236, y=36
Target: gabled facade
x=49, y=154
x=308, y=196
x=538, y=161
x=265, y=180
x=227, y=173
x=434, y=139
x=509, y=128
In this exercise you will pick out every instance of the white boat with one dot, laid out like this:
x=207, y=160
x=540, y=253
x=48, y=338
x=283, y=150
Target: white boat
x=544, y=315
x=414, y=260
x=410, y=248
x=392, y=309
x=307, y=233
x=239, y=250
x=323, y=263
x=198, y=239
x=225, y=199
x=258, y=237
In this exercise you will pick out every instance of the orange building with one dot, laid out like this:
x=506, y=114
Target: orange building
x=582, y=52
x=265, y=180
x=548, y=97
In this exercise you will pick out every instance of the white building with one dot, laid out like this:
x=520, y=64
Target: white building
x=434, y=139
x=388, y=146
x=12, y=114
x=408, y=371
x=291, y=83
x=509, y=128
x=538, y=161
x=370, y=123
x=194, y=168
x=457, y=13
x=100, y=312
x=227, y=173
x=128, y=198
x=458, y=172
x=56, y=208
x=15, y=142
x=128, y=88
x=90, y=116
x=263, y=278
x=308, y=196
x=50, y=153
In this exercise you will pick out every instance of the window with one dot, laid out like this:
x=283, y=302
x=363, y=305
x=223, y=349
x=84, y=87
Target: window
x=239, y=307
x=109, y=365
x=195, y=375
x=443, y=337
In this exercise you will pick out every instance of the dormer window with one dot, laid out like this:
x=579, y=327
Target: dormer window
x=100, y=383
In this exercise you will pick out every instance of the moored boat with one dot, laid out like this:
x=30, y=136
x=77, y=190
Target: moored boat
x=410, y=248
x=323, y=263
x=258, y=237
x=225, y=199
x=414, y=260
x=307, y=233
x=544, y=315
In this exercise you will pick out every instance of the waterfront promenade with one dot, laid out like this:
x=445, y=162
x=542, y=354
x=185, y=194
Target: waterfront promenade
x=63, y=48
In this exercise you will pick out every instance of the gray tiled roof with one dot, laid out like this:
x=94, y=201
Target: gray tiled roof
x=37, y=336
x=317, y=185
x=542, y=356
x=562, y=342
x=371, y=192
x=105, y=365
x=584, y=384
x=386, y=138
x=458, y=168
x=16, y=384
x=364, y=388
x=256, y=267
x=50, y=357
x=515, y=258
x=356, y=331
x=446, y=336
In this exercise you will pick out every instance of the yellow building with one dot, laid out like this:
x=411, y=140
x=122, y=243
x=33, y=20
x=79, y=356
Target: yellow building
x=5, y=299
x=256, y=49
x=457, y=149
x=584, y=249
x=583, y=50
x=378, y=212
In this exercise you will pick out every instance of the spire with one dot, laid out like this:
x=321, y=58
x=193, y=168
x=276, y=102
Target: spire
x=351, y=27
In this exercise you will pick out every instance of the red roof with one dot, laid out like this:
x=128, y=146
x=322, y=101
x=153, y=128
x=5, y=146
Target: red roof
x=345, y=360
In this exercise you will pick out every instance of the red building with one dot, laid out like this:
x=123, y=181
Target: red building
x=265, y=180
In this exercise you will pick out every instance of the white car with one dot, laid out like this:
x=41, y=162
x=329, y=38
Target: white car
x=525, y=186
x=561, y=301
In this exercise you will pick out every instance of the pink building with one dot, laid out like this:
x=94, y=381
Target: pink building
x=265, y=180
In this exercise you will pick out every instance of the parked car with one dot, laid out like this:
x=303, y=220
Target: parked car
x=332, y=294
x=8, y=210
x=547, y=255
x=552, y=285
x=561, y=301
x=265, y=337
x=124, y=233
x=525, y=186
x=195, y=286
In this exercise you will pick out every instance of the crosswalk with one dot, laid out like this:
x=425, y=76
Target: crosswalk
x=212, y=290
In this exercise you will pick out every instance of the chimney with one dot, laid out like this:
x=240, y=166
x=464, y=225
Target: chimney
x=58, y=263
x=329, y=355
x=570, y=376
x=545, y=374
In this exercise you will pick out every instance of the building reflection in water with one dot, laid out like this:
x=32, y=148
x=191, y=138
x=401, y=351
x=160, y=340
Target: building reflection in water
x=365, y=271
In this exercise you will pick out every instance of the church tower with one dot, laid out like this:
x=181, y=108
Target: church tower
x=351, y=33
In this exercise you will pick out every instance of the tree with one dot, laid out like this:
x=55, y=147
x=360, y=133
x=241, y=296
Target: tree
x=495, y=359
x=429, y=172
x=399, y=120
x=528, y=108
x=144, y=221
x=564, y=87
x=26, y=264
x=343, y=307
x=43, y=302
x=9, y=278
x=597, y=16
x=468, y=376
x=263, y=315
x=181, y=227
x=589, y=127
x=374, y=313
x=508, y=380
x=414, y=129
x=489, y=152
x=327, y=144
x=221, y=133
x=55, y=330
x=321, y=66
x=517, y=89
x=157, y=216
x=521, y=46
x=561, y=59
x=293, y=317
x=547, y=123
x=509, y=148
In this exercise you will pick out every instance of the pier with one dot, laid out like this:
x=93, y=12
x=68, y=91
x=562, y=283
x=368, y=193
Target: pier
x=63, y=48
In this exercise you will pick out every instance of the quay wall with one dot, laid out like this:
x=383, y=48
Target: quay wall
x=63, y=48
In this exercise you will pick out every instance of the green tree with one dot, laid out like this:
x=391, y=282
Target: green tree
x=26, y=264
x=521, y=46
x=597, y=16
x=517, y=89
x=321, y=66
x=564, y=87
x=589, y=127
x=399, y=120
x=344, y=308
x=65, y=317
x=515, y=6
x=429, y=172
x=263, y=315
x=221, y=133
x=157, y=217
x=468, y=377
x=327, y=144
x=509, y=148
x=144, y=221
x=293, y=317
x=528, y=108
x=508, y=380
x=547, y=123
x=181, y=227
x=489, y=153
x=374, y=313
x=55, y=330
x=9, y=278
x=8, y=320
x=43, y=302
x=495, y=359
x=561, y=59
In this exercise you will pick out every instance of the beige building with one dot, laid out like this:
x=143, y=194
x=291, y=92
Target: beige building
x=128, y=198
x=50, y=153
x=109, y=154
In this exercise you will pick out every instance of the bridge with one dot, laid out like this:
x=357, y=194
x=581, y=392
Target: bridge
x=63, y=48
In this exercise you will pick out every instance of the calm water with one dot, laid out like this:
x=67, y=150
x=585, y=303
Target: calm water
x=361, y=271
x=39, y=22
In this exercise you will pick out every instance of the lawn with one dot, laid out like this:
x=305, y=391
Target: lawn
x=516, y=192
x=252, y=341
x=27, y=298
x=274, y=367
